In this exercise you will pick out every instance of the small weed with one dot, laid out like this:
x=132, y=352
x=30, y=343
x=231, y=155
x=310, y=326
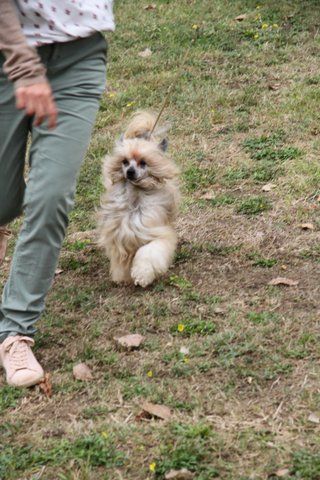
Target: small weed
x=196, y=178
x=235, y=174
x=179, y=282
x=258, y=261
x=191, y=450
x=306, y=466
x=194, y=326
x=262, y=317
x=222, y=200
x=254, y=206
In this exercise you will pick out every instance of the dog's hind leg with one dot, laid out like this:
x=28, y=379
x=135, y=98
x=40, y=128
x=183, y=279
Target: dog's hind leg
x=153, y=260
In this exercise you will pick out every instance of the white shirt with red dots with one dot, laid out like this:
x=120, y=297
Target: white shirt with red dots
x=51, y=21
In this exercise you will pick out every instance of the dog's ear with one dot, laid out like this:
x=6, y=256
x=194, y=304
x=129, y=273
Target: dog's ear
x=163, y=145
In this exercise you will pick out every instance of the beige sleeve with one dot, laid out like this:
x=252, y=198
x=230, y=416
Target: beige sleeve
x=23, y=65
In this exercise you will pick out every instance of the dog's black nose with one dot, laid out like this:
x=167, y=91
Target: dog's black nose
x=131, y=173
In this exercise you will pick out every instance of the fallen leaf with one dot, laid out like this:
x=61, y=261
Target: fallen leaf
x=240, y=18
x=151, y=6
x=145, y=53
x=159, y=411
x=207, y=196
x=219, y=311
x=313, y=418
x=130, y=341
x=46, y=385
x=184, y=350
x=58, y=271
x=182, y=474
x=82, y=372
x=306, y=226
x=283, y=281
x=282, y=472
x=274, y=86
x=268, y=187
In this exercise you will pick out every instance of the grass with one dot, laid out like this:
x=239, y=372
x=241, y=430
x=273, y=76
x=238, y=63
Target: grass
x=237, y=361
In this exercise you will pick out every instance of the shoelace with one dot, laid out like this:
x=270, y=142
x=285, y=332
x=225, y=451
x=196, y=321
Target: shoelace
x=19, y=355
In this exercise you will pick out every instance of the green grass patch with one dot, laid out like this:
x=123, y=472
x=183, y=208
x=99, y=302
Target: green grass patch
x=96, y=450
x=254, y=206
x=259, y=261
x=9, y=397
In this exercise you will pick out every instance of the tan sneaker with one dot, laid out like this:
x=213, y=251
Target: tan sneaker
x=4, y=236
x=19, y=362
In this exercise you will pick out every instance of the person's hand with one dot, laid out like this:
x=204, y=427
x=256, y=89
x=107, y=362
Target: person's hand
x=37, y=100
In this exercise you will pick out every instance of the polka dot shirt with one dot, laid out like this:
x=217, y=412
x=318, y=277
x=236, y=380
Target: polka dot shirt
x=50, y=21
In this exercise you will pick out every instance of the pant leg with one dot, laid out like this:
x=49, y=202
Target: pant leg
x=14, y=127
x=77, y=75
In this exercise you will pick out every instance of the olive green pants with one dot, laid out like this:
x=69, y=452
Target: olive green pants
x=77, y=72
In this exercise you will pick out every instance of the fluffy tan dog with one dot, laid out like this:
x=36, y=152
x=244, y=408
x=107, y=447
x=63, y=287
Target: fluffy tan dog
x=140, y=205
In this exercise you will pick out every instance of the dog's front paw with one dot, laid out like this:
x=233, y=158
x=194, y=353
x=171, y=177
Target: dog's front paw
x=142, y=275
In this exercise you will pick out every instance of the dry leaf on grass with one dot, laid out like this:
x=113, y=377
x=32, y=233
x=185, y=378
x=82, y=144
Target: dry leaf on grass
x=313, y=418
x=184, y=350
x=274, y=86
x=240, y=18
x=82, y=372
x=207, y=196
x=154, y=410
x=46, y=385
x=129, y=341
x=268, y=187
x=151, y=6
x=219, y=311
x=58, y=271
x=282, y=472
x=306, y=226
x=145, y=53
x=283, y=281
x=182, y=474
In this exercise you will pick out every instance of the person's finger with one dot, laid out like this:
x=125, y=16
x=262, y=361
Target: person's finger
x=30, y=107
x=20, y=99
x=52, y=115
x=40, y=112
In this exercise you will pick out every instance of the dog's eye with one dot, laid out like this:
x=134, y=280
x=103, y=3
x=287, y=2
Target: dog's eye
x=142, y=163
x=125, y=162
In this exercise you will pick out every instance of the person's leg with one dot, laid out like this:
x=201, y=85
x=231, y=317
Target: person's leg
x=13, y=138
x=76, y=72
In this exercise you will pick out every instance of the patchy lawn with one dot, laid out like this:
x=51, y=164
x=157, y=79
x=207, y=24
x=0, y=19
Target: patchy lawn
x=244, y=392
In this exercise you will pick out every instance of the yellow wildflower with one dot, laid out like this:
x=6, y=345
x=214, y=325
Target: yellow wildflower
x=195, y=26
x=186, y=359
x=130, y=104
x=152, y=467
x=150, y=374
x=275, y=25
x=104, y=435
x=264, y=26
x=180, y=327
x=256, y=36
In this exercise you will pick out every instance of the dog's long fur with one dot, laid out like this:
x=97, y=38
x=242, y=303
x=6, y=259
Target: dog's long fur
x=136, y=216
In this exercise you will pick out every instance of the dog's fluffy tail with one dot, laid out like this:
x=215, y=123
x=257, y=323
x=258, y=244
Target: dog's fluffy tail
x=141, y=126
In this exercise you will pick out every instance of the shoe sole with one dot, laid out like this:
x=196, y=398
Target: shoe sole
x=28, y=384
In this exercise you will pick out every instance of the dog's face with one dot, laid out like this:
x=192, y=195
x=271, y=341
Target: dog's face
x=140, y=162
